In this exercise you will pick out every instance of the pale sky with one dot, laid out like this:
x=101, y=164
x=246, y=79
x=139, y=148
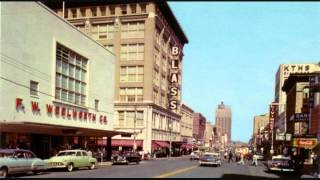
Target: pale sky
x=235, y=49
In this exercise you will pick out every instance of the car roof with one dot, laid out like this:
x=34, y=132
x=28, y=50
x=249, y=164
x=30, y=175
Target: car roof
x=12, y=150
x=73, y=150
x=211, y=153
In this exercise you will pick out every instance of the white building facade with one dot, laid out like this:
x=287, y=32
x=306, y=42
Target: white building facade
x=56, y=83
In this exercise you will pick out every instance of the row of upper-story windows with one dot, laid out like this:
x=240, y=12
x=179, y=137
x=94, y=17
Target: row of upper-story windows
x=110, y=10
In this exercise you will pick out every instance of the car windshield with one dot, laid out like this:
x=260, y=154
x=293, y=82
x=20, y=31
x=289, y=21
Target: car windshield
x=66, y=153
x=2, y=155
x=209, y=156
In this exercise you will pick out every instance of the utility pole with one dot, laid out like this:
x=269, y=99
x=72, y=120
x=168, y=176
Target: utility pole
x=134, y=128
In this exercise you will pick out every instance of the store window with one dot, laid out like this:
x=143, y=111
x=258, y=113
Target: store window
x=71, y=73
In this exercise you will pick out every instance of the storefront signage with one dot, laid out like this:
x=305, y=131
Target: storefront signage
x=303, y=68
x=174, y=78
x=272, y=114
x=62, y=111
x=299, y=117
x=307, y=143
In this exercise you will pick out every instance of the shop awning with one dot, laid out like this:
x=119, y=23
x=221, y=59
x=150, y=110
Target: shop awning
x=126, y=142
x=160, y=144
x=186, y=146
x=57, y=130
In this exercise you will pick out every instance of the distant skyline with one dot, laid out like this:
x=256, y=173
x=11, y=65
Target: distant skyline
x=235, y=49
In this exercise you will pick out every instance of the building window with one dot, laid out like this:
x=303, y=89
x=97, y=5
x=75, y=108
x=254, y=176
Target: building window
x=156, y=77
x=74, y=13
x=155, y=97
x=121, y=118
x=102, y=31
x=133, y=8
x=131, y=74
x=133, y=52
x=96, y=104
x=143, y=8
x=109, y=47
x=156, y=57
x=131, y=94
x=123, y=9
x=139, y=118
x=112, y=10
x=34, y=88
x=94, y=11
x=82, y=12
x=71, y=72
x=103, y=11
x=132, y=30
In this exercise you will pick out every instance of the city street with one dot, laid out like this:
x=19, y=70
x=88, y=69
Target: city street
x=180, y=167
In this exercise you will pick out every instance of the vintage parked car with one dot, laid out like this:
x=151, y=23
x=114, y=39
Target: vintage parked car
x=212, y=159
x=195, y=155
x=71, y=159
x=280, y=163
x=126, y=158
x=19, y=161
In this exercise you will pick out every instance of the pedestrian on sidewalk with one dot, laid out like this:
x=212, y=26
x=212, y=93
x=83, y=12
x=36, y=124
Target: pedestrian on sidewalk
x=255, y=160
x=230, y=157
x=241, y=159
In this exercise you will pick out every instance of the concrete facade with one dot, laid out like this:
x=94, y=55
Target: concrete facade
x=186, y=124
x=199, y=127
x=142, y=36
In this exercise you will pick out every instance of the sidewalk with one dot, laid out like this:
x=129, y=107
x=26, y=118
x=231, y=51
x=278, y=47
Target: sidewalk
x=104, y=164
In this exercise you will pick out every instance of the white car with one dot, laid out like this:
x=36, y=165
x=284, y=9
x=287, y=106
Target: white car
x=209, y=158
x=19, y=161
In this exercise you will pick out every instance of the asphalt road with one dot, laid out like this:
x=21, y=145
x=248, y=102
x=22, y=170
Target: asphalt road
x=180, y=167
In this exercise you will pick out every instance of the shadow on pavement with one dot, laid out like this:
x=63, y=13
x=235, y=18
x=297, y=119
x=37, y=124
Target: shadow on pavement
x=242, y=176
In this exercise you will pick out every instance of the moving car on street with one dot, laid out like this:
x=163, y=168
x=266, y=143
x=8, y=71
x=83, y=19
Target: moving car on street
x=280, y=163
x=71, y=159
x=195, y=155
x=126, y=158
x=19, y=161
x=211, y=159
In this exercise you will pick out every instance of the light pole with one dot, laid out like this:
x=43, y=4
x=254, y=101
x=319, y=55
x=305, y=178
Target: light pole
x=170, y=129
x=134, y=128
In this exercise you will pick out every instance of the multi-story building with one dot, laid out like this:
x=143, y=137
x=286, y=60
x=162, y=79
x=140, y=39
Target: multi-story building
x=208, y=135
x=282, y=74
x=298, y=111
x=199, y=127
x=314, y=104
x=223, y=123
x=186, y=124
x=54, y=85
x=260, y=122
x=148, y=42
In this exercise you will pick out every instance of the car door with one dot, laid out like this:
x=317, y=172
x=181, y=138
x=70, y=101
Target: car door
x=21, y=162
x=86, y=158
x=78, y=159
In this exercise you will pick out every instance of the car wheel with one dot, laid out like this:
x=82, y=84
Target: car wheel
x=3, y=172
x=92, y=166
x=70, y=167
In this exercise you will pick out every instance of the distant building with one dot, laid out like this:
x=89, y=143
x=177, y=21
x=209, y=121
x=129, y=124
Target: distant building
x=199, y=126
x=260, y=122
x=186, y=124
x=208, y=135
x=223, y=123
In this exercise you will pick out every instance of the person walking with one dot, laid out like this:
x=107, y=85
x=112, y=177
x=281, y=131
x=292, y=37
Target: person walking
x=241, y=159
x=230, y=157
x=255, y=160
